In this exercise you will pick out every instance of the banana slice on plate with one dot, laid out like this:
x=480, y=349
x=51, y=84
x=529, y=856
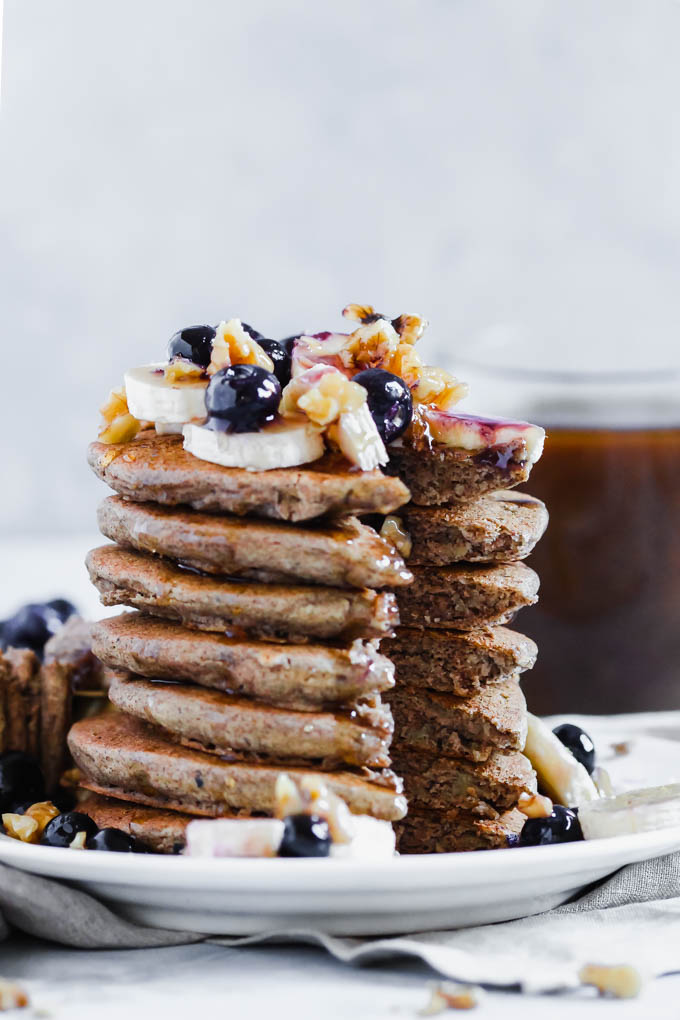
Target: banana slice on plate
x=151, y=397
x=645, y=810
x=559, y=774
x=281, y=445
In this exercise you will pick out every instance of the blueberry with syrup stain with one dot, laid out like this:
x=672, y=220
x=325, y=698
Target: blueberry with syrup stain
x=562, y=826
x=305, y=836
x=280, y=357
x=34, y=624
x=389, y=401
x=579, y=743
x=242, y=398
x=21, y=780
x=195, y=344
x=114, y=840
x=63, y=829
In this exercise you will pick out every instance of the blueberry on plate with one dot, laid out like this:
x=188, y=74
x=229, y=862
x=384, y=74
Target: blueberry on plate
x=305, y=836
x=194, y=343
x=579, y=743
x=288, y=343
x=112, y=839
x=61, y=608
x=63, y=829
x=34, y=624
x=562, y=826
x=21, y=780
x=280, y=357
x=242, y=398
x=389, y=401
x=253, y=333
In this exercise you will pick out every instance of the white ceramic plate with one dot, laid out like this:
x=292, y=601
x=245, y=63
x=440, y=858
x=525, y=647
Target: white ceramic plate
x=406, y=894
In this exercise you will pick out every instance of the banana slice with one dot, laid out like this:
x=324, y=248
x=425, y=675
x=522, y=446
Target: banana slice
x=645, y=810
x=560, y=776
x=371, y=839
x=358, y=438
x=151, y=397
x=281, y=445
x=234, y=837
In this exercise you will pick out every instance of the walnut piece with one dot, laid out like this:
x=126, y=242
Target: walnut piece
x=233, y=346
x=12, y=995
x=534, y=805
x=622, y=982
x=394, y=532
x=182, y=370
x=119, y=426
x=323, y=394
x=449, y=995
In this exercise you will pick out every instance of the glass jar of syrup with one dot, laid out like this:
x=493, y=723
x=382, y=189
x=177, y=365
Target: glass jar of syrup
x=607, y=623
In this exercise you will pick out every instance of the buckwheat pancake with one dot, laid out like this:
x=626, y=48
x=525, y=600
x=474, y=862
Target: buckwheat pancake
x=304, y=677
x=124, y=758
x=163, y=832
x=236, y=728
x=442, y=474
x=442, y=784
x=467, y=596
x=20, y=701
x=339, y=554
x=499, y=528
x=495, y=718
x=158, y=469
x=212, y=603
x=425, y=832
x=460, y=663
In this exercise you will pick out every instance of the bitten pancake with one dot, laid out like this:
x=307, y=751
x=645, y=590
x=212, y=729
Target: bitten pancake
x=499, y=528
x=304, y=677
x=473, y=728
x=158, y=469
x=467, y=596
x=458, y=663
x=163, y=832
x=236, y=728
x=425, y=832
x=295, y=612
x=121, y=757
x=441, y=784
x=340, y=554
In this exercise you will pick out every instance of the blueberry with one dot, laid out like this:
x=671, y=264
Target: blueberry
x=562, y=826
x=63, y=829
x=21, y=780
x=279, y=356
x=28, y=628
x=242, y=398
x=253, y=333
x=288, y=343
x=112, y=839
x=579, y=743
x=62, y=608
x=389, y=401
x=193, y=343
x=305, y=836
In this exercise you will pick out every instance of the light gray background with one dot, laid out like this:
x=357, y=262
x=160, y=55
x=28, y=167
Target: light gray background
x=493, y=164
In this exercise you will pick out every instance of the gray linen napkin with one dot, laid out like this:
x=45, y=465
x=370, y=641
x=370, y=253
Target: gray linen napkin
x=633, y=917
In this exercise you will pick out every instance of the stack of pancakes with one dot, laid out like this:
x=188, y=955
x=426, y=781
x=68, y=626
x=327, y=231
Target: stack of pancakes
x=252, y=647
x=459, y=713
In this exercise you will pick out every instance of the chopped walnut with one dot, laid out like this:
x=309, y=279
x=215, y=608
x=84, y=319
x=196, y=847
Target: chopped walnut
x=361, y=313
x=43, y=812
x=394, y=532
x=623, y=982
x=622, y=747
x=78, y=842
x=233, y=346
x=534, y=805
x=370, y=346
x=119, y=426
x=322, y=393
x=410, y=327
x=182, y=370
x=20, y=827
x=448, y=995
x=12, y=995
x=437, y=386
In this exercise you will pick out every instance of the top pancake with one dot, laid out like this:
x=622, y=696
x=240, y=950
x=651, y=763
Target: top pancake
x=158, y=469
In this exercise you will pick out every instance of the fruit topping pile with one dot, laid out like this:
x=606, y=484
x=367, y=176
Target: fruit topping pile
x=28, y=817
x=355, y=392
x=34, y=624
x=310, y=821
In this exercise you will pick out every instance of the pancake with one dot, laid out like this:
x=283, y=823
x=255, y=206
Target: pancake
x=295, y=612
x=340, y=554
x=20, y=700
x=458, y=663
x=499, y=528
x=124, y=758
x=472, y=728
x=304, y=677
x=162, y=832
x=423, y=832
x=236, y=728
x=467, y=596
x=158, y=469
x=443, y=784
x=441, y=474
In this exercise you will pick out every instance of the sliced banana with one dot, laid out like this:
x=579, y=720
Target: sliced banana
x=284, y=444
x=234, y=837
x=645, y=810
x=151, y=397
x=358, y=439
x=371, y=839
x=560, y=776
